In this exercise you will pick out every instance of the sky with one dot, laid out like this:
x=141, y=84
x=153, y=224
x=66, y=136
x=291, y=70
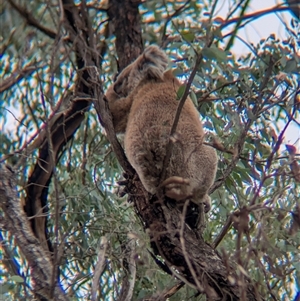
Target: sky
x=261, y=27
x=255, y=31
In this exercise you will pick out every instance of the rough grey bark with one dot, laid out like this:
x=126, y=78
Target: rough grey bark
x=17, y=224
x=187, y=256
x=126, y=23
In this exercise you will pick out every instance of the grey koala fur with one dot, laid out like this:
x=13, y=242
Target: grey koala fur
x=143, y=102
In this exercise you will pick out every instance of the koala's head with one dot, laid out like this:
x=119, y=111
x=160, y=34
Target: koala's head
x=151, y=64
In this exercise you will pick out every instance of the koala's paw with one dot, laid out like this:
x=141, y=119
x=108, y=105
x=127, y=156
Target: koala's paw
x=153, y=62
x=177, y=188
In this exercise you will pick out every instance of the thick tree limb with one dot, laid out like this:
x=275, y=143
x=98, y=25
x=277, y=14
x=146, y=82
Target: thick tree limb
x=163, y=223
x=37, y=188
x=17, y=223
x=163, y=226
x=126, y=21
x=63, y=127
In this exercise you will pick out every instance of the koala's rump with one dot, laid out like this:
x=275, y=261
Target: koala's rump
x=147, y=136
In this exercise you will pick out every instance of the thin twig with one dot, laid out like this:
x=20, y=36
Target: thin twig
x=254, y=15
x=223, y=232
x=206, y=95
x=277, y=145
x=100, y=265
x=237, y=26
x=170, y=17
x=169, y=146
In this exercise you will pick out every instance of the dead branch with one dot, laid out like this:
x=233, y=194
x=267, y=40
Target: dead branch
x=32, y=21
x=16, y=76
x=99, y=267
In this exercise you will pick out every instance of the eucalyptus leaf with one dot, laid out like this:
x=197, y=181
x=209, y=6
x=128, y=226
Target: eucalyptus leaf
x=215, y=54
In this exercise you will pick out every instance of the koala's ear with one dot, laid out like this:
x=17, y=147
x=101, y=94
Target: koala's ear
x=153, y=62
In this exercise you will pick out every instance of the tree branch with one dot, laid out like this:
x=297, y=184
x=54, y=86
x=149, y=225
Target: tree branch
x=254, y=15
x=18, y=225
x=16, y=76
x=126, y=20
x=169, y=146
x=210, y=270
x=32, y=21
x=63, y=127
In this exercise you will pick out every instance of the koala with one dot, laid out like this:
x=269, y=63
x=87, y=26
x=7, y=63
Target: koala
x=143, y=102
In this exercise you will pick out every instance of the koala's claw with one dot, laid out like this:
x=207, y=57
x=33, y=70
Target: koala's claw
x=207, y=203
x=122, y=190
x=123, y=182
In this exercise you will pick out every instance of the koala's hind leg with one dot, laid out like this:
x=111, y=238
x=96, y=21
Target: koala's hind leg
x=180, y=189
x=177, y=188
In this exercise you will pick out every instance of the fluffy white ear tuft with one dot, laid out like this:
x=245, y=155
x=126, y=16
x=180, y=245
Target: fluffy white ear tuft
x=153, y=62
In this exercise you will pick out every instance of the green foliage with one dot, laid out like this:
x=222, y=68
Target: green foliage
x=239, y=99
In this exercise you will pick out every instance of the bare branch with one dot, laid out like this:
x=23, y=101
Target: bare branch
x=32, y=21
x=254, y=15
x=130, y=277
x=169, y=146
x=99, y=267
x=16, y=76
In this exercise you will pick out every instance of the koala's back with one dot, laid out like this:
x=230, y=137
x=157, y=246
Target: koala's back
x=149, y=124
x=143, y=102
